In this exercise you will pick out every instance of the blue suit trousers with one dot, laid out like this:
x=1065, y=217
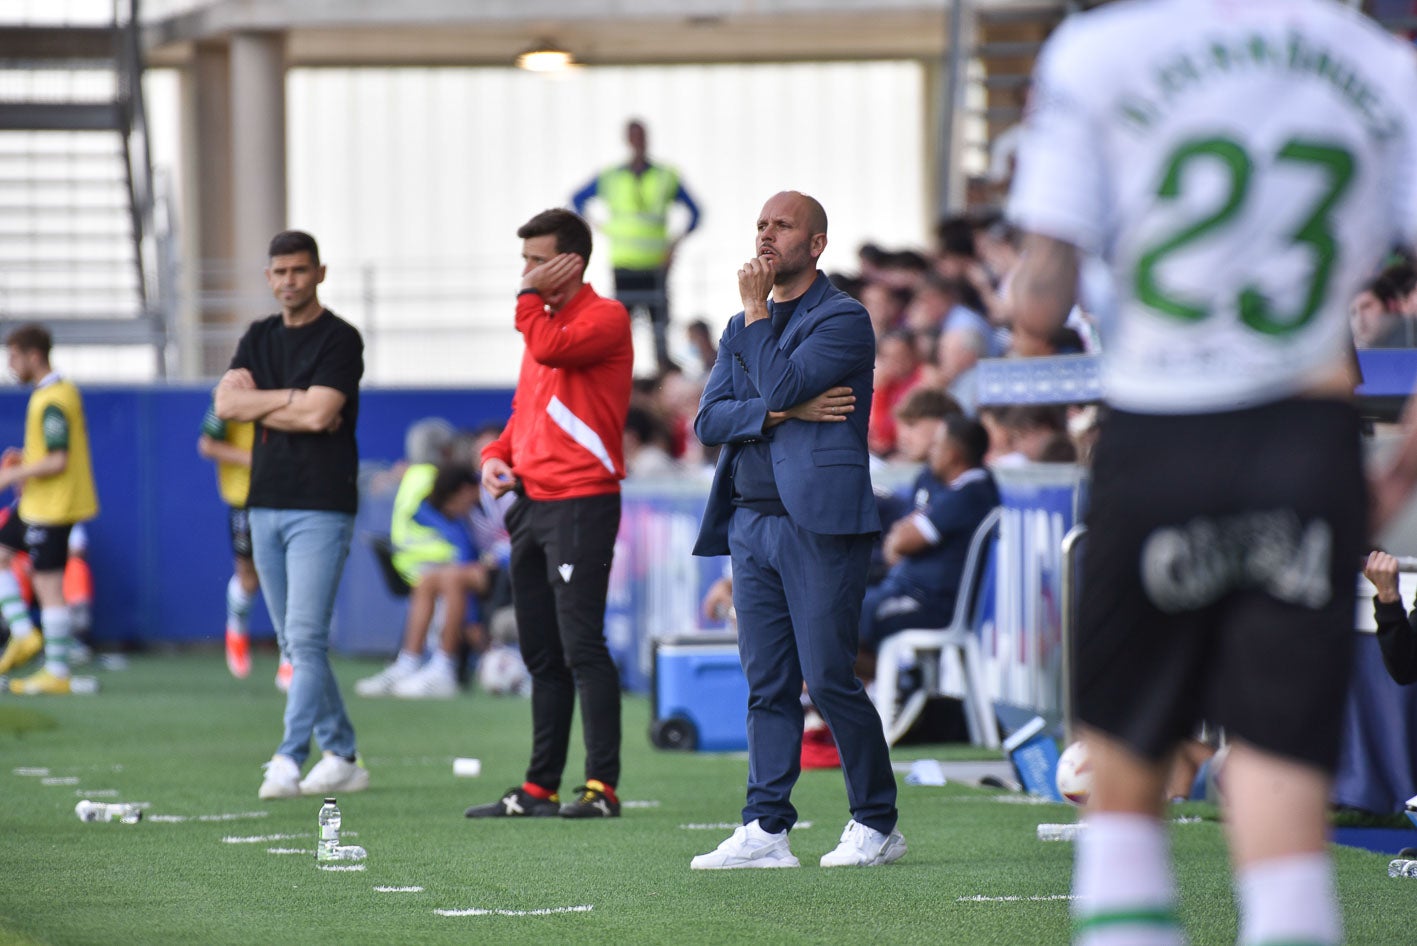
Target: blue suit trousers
x=798, y=597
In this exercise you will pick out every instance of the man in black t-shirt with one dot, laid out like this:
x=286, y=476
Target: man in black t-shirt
x=296, y=375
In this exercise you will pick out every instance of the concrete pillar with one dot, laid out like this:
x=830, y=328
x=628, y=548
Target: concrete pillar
x=206, y=316
x=258, y=171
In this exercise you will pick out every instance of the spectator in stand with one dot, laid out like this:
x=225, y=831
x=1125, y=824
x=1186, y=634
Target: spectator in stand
x=926, y=549
x=918, y=418
x=1028, y=430
x=886, y=304
x=1372, y=323
x=1397, y=629
x=701, y=347
x=957, y=254
x=1395, y=287
x=898, y=372
x=647, y=445
x=999, y=244
x=637, y=197
x=965, y=335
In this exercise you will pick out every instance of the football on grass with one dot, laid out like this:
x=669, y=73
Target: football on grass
x=1074, y=777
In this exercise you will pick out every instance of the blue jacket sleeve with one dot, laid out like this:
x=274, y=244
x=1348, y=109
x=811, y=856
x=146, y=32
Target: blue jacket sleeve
x=722, y=417
x=581, y=197
x=840, y=344
x=682, y=195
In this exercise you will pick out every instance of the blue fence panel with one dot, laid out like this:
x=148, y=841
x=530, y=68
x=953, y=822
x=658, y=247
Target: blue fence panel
x=159, y=548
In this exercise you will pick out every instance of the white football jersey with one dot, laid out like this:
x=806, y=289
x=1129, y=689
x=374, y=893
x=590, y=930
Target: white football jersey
x=1241, y=165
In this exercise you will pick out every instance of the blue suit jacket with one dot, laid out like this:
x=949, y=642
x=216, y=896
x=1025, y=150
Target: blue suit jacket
x=820, y=468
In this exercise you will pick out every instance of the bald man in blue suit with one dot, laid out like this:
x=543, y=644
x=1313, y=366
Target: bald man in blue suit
x=789, y=397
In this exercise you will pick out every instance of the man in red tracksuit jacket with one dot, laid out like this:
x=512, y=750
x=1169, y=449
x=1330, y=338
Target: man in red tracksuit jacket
x=562, y=452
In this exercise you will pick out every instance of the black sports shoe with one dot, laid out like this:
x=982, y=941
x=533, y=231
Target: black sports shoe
x=591, y=803
x=518, y=803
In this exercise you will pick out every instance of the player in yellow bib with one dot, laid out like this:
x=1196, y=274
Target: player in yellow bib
x=228, y=445
x=55, y=482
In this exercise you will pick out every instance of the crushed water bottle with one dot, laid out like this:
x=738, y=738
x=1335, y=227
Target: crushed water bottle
x=1402, y=867
x=120, y=812
x=327, y=844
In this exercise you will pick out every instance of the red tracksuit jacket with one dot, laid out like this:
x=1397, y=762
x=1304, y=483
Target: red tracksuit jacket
x=565, y=435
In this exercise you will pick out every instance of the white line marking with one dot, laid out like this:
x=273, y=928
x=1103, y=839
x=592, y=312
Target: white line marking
x=231, y=816
x=27, y=770
x=60, y=780
x=585, y=908
x=260, y=838
x=639, y=804
x=290, y=850
x=398, y=889
x=96, y=793
x=982, y=899
x=341, y=867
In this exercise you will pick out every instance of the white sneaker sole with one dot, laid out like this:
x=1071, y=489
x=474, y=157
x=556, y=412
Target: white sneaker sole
x=756, y=863
x=357, y=782
x=273, y=790
x=890, y=852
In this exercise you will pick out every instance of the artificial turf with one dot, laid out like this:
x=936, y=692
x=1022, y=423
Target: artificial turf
x=177, y=732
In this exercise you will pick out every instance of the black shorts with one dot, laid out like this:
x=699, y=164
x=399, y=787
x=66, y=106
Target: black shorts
x=238, y=522
x=1219, y=577
x=48, y=546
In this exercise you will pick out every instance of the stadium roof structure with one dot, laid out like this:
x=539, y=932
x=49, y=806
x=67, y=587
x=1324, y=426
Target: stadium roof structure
x=610, y=32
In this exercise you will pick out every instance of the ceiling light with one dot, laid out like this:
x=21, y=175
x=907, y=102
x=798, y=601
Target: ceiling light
x=545, y=57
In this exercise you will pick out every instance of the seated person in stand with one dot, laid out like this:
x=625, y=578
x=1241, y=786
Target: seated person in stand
x=1397, y=630
x=926, y=549
x=456, y=490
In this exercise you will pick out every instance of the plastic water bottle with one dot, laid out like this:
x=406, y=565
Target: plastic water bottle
x=1402, y=867
x=1060, y=832
x=108, y=811
x=327, y=846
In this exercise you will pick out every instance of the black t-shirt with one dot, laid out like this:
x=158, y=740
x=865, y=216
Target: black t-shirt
x=300, y=470
x=754, y=483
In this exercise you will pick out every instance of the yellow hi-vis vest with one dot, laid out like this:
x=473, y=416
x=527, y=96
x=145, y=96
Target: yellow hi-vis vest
x=639, y=214
x=416, y=545
x=67, y=497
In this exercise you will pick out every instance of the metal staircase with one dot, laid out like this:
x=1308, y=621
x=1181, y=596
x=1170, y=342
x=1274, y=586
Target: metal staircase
x=1007, y=39
x=79, y=250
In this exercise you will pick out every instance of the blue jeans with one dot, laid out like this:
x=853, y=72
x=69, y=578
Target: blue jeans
x=299, y=556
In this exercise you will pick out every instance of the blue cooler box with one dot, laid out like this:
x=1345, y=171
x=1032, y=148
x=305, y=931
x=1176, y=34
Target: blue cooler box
x=699, y=696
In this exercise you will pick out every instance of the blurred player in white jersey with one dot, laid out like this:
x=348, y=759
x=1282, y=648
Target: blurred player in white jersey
x=1241, y=167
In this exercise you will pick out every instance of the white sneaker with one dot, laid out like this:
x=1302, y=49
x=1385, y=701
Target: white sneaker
x=749, y=846
x=435, y=680
x=383, y=682
x=865, y=847
x=334, y=775
x=282, y=778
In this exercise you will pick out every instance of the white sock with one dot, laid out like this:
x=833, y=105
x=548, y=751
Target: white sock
x=408, y=661
x=57, y=639
x=238, y=606
x=1125, y=894
x=12, y=606
x=1289, y=900
x=441, y=663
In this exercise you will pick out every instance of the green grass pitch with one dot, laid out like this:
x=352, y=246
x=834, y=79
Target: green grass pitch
x=176, y=731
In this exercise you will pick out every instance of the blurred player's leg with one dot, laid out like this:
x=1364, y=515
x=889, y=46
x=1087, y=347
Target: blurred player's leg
x=1126, y=894
x=1276, y=810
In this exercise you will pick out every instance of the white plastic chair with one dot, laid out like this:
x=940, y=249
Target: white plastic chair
x=930, y=648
